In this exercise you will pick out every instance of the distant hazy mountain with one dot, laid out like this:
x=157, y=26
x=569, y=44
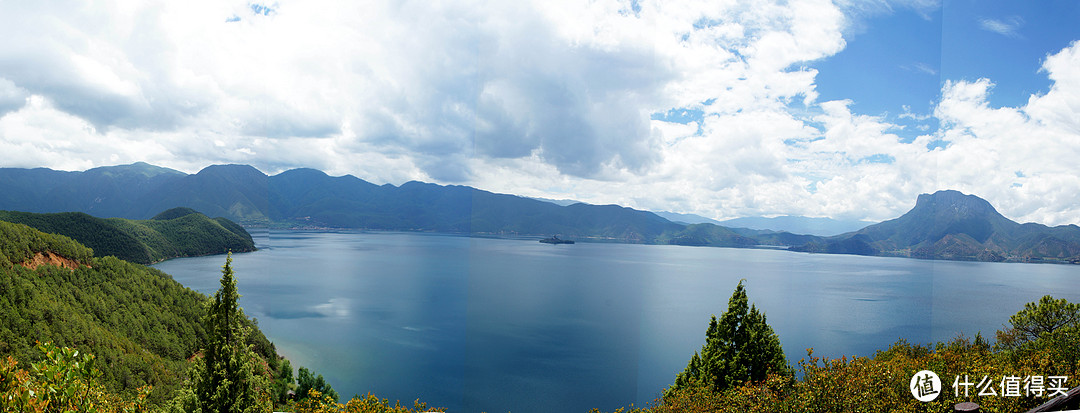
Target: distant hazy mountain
x=797, y=225
x=563, y=202
x=687, y=218
x=760, y=226
x=955, y=226
x=712, y=235
x=707, y=235
x=307, y=197
x=104, y=192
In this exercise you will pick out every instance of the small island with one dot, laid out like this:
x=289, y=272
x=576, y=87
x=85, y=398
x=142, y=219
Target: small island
x=556, y=240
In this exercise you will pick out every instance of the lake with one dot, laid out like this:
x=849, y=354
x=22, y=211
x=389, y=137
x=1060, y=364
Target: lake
x=496, y=325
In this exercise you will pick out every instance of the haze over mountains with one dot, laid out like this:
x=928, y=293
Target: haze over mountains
x=798, y=225
x=789, y=223
x=943, y=225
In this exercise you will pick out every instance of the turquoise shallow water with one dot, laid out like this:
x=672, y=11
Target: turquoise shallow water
x=476, y=324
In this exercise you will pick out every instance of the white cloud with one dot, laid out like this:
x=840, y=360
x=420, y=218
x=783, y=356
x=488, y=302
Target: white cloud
x=1057, y=109
x=40, y=134
x=922, y=68
x=989, y=145
x=1009, y=27
x=11, y=97
x=539, y=98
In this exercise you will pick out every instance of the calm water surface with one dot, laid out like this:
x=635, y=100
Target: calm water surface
x=500, y=325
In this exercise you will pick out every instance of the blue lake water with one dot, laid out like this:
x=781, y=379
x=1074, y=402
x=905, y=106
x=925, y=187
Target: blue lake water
x=496, y=325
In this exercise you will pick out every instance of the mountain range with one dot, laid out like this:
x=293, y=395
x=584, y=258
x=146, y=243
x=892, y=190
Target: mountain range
x=943, y=225
x=786, y=223
x=797, y=225
x=311, y=198
x=954, y=226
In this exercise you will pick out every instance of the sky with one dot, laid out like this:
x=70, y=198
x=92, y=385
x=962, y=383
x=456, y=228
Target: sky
x=722, y=108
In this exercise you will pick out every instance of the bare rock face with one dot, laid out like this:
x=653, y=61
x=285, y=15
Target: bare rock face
x=48, y=258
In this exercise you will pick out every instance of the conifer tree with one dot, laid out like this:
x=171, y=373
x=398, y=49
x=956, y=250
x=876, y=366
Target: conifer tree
x=1049, y=327
x=225, y=380
x=739, y=347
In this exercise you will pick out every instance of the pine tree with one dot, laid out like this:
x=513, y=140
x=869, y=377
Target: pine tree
x=225, y=379
x=739, y=347
x=1050, y=327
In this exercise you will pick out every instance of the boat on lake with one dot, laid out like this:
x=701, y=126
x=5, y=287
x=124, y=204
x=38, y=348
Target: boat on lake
x=556, y=240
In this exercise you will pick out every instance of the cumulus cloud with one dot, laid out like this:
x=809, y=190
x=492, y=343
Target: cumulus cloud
x=11, y=97
x=555, y=99
x=441, y=82
x=1021, y=157
x=843, y=164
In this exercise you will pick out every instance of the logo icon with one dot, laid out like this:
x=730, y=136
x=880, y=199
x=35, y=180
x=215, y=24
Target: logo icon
x=925, y=386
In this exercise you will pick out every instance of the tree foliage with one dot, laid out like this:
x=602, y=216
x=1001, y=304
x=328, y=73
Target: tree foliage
x=65, y=380
x=1041, y=320
x=317, y=402
x=1037, y=342
x=307, y=382
x=740, y=346
x=140, y=323
x=227, y=378
x=283, y=382
x=19, y=243
x=1049, y=327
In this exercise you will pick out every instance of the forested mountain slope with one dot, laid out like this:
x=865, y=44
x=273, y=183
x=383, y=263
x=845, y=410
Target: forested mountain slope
x=178, y=232
x=140, y=323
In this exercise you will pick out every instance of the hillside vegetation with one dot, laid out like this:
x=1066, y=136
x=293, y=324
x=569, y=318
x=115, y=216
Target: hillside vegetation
x=104, y=335
x=741, y=368
x=178, y=232
x=156, y=345
x=140, y=323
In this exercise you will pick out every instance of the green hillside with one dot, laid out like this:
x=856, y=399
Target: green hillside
x=178, y=232
x=140, y=323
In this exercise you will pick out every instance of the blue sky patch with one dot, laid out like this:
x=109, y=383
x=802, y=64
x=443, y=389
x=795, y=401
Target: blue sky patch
x=978, y=36
x=878, y=158
x=680, y=115
x=891, y=66
x=937, y=144
x=260, y=9
x=899, y=62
